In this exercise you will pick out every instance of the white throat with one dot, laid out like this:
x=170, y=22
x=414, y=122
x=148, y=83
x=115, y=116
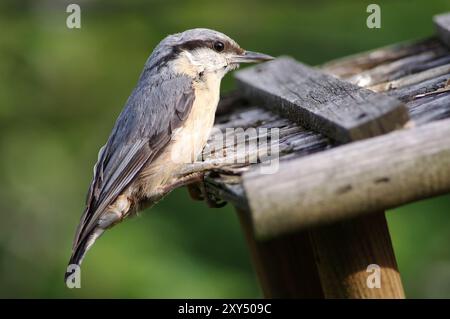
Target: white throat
x=201, y=62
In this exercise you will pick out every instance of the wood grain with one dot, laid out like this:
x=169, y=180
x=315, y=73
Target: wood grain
x=412, y=79
x=354, y=64
x=320, y=102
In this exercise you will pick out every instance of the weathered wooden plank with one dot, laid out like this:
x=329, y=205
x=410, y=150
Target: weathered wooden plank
x=412, y=79
x=356, y=63
x=391, y=71
x=350, y=180
x=432, y=107
x=411, y=92
x=320, y=102
x=442, y=25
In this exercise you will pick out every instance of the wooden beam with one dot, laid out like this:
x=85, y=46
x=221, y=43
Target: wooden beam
x=320, y=102
x=350, y=180
x=442, y=25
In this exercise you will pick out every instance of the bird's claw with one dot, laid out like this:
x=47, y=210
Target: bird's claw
x=195, y=192
x=198, y=191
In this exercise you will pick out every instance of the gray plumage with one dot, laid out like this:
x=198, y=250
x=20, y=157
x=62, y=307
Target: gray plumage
x=155, y=108
x=159, y=104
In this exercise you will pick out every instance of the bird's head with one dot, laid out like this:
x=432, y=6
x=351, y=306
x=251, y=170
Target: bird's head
x=202, y=52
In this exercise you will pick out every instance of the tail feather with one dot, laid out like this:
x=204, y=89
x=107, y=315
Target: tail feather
x=81, y=248
x=85, y=237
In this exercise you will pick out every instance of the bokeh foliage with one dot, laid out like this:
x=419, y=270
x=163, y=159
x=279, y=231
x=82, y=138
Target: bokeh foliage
x=60, y=92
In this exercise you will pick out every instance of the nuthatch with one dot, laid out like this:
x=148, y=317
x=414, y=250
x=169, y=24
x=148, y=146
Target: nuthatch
x=164, y=125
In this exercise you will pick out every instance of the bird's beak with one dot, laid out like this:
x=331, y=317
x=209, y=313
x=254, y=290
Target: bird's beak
x=250, y=57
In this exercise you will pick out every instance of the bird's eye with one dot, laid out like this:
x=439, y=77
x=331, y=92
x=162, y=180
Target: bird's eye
x=219, y=46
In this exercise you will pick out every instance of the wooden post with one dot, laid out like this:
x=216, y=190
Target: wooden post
x=344, y=251
x=284, y=265
x=344, y=112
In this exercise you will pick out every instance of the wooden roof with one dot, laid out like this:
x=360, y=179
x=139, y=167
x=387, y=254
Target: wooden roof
x=320, y=180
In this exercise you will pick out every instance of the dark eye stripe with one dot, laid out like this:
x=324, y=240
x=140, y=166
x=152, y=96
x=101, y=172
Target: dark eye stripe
x=192, y=45
x=195, y=44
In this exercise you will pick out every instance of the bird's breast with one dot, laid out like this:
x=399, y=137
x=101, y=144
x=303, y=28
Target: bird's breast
x=188, y=140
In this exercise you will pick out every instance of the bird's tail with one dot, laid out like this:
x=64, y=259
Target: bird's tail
x=81, y=248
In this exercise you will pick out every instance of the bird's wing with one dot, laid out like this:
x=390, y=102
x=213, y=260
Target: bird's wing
x=155, y=108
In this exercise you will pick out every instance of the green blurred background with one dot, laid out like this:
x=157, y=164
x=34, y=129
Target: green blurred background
x=60, y=92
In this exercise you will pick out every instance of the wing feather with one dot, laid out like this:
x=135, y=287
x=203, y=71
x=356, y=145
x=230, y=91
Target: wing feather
x=155, y=108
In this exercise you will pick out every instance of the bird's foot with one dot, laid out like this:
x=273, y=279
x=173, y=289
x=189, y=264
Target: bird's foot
x=194, y=179
x=199, y=191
